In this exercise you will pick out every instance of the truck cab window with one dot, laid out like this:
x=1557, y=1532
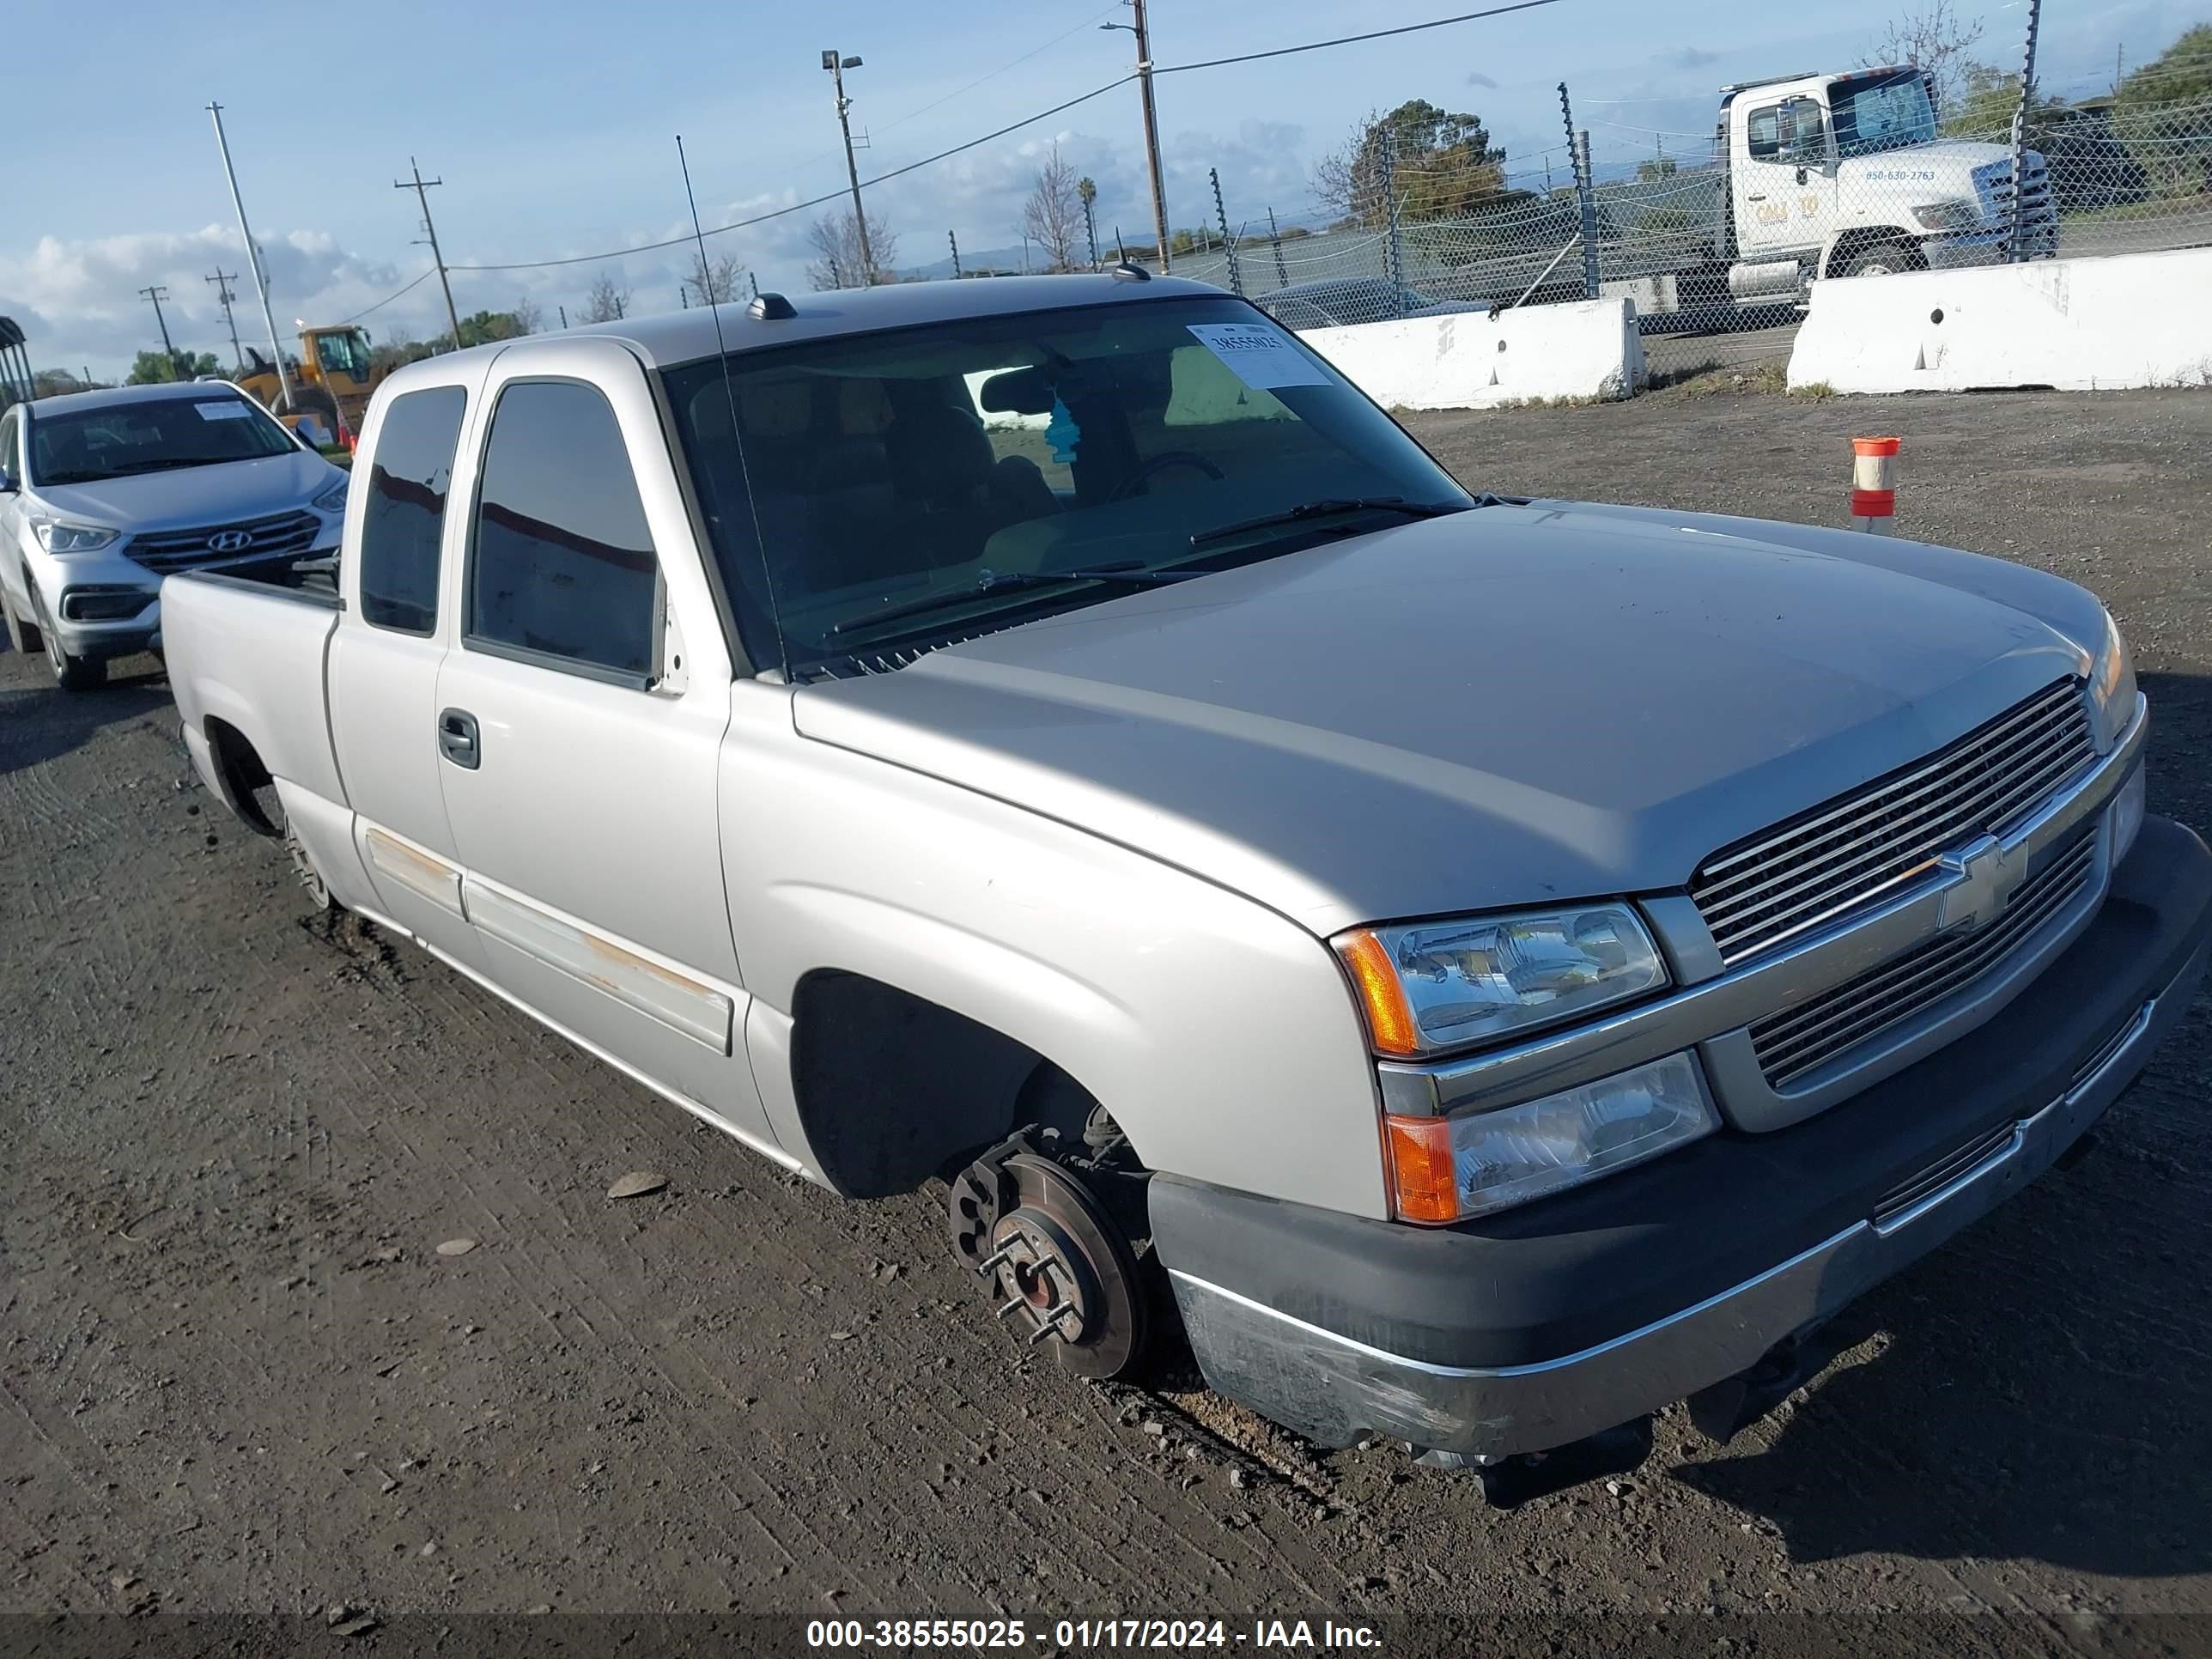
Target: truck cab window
x=406, y=515
x=563, y=564
x=1795, y=130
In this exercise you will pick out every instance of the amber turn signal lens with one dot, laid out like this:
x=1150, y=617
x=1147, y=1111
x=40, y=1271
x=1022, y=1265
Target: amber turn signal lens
x=1382, y=994
x=1424, y=1179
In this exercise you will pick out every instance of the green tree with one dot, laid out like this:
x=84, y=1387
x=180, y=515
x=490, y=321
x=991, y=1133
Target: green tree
x=2163, y=113
x=395, y=353
x=487, y=325
x=1663, y=166
x=157, y=368
x=1985, y=106
x=1444, y=167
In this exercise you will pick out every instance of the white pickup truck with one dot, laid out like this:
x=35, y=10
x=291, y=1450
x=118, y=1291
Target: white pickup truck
x=1492, y=967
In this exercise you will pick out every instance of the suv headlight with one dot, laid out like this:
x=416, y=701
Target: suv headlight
x=2112, y=685
x=1429, y=985
x=1959, y=214
x=58, y=537
x=333, y=500
x=1447, y=1168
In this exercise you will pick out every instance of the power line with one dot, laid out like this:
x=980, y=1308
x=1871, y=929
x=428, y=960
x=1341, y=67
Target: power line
x=801, y=207
x=1350, y=39
x=1112, y=5
x=390, y=297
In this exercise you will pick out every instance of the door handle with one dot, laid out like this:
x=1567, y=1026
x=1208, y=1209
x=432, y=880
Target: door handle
x=1756, y=196
x=457, y=738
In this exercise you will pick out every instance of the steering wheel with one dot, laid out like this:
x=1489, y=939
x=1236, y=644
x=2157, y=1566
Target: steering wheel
x=1165, y=458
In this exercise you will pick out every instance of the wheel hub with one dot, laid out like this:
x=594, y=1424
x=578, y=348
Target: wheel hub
x=1054, y=1266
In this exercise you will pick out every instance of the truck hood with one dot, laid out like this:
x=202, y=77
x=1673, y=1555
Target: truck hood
x=1501, y=707
x=194, y=495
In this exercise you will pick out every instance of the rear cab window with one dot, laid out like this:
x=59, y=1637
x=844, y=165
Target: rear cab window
x=403, y=521
x=562, y=572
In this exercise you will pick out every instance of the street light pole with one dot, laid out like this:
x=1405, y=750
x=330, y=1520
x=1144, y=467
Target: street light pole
x=253, y=258
x=1151, y=123
x=837, y=66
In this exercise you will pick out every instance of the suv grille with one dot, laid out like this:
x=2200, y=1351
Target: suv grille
x=169, y=551
x=1867, y=845
x=1804, y=1038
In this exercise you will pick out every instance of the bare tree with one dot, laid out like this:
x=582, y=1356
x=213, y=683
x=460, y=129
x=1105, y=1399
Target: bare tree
x=528, y=318
x=716, y=282
x=836, y=245
x=607, y=302
x=1935, y=39
x=1052, y=217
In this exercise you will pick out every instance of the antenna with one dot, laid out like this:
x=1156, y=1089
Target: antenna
x=737, y=437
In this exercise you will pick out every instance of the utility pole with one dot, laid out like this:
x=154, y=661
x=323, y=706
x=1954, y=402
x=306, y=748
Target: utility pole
x=837, y=66
x=158, y=294
x=421, y=187
x=1137, y=27
x=223, y=280
x=253, y=258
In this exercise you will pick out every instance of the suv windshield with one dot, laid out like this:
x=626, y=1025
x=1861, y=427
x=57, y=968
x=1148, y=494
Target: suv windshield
x=89, y=446
x=973, y=461
x=1875, y=112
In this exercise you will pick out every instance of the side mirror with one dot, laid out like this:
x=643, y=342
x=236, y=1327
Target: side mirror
x=8, y=484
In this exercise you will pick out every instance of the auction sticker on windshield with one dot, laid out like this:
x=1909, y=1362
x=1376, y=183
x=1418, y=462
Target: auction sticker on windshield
x=226, y=410
x=1259, y=354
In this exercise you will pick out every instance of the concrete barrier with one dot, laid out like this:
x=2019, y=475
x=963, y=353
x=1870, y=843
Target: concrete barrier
x=1589, y=348
x=2132, y=319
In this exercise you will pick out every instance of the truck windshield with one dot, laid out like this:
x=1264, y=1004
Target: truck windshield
x=970, y=462
x=89, y=446
x=1875, y=112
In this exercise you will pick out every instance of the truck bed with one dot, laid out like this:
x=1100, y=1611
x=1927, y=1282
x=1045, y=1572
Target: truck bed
x=247, y=644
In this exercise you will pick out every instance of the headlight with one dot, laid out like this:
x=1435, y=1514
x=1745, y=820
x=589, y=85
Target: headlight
x=1434, y=985
x=1447, y=1168
x=2112, y=685
x=333, y=500
x=1949, y=216
x=71, y=538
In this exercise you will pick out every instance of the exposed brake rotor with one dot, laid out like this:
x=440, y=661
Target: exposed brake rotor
x=1053, y=1265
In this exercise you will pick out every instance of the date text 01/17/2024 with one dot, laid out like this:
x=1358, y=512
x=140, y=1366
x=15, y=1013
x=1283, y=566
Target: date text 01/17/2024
x=1083, y=1634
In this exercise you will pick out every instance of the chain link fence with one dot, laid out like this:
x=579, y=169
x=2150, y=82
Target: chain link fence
x=1809, y=179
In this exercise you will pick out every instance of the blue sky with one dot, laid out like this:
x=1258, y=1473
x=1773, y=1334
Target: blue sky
x=553, y=125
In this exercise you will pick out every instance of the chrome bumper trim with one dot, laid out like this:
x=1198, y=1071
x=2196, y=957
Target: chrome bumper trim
x=1337, y=1391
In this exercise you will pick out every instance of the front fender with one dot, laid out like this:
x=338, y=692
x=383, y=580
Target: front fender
x=1220, y=1034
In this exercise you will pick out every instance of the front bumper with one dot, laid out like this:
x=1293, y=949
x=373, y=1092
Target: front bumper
x=2038, y=240
x=1535, y=1327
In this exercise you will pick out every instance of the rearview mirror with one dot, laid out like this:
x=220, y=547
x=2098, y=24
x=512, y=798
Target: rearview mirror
x=1017, y=391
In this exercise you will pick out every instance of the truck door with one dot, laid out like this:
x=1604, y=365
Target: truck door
x=580, y=715
x=1784, y=179
x=385, y=656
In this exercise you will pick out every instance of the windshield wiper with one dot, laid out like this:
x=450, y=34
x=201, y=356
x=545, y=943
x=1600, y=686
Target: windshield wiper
x=1329, y=506
x=1132, y=574
x=171, y=462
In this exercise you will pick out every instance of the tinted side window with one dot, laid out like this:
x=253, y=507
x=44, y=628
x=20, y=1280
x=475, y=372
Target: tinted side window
x=563, y=563
x=405, y=515
x=1763, y=132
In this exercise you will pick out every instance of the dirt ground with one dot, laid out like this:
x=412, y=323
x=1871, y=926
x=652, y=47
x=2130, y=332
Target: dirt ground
x=237, y=1377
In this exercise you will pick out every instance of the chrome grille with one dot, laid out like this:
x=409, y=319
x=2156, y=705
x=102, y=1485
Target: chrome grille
x=167, y=550
x=1941, y=1173
x=1807, y=1037
x=1868, y=844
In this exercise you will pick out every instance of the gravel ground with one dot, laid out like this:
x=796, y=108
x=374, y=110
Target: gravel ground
x=237, y=1377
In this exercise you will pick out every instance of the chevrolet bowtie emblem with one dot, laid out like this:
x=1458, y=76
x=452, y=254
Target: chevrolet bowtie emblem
x=1983, y=877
